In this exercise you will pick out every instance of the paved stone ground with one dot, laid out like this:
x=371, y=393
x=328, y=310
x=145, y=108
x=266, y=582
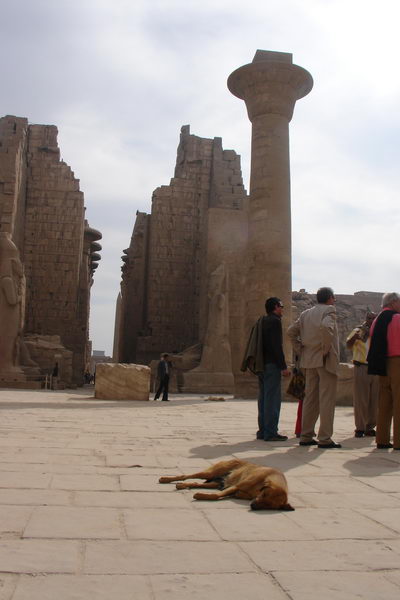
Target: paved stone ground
x=83, y=517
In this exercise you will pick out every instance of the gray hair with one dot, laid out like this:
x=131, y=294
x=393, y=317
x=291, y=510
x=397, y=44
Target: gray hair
x=389, y=298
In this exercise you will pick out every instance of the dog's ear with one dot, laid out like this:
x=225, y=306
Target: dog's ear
x=287, y=507
x=264, y=487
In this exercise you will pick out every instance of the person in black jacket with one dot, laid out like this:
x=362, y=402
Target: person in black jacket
x=163, y=375
x=269, y=398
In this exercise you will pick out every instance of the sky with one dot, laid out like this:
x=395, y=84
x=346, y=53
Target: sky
x=120, y=77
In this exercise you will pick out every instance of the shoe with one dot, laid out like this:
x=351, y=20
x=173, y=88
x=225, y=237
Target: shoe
x=276, y=438
x=310, y=443
x=331, y=445
x=163, y=400
x=259, y=436
x=384, y=446
x=359, y=433
x=370, y=433
x=396, y=448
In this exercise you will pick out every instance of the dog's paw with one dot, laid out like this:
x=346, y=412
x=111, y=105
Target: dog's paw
x=164, y=480
x=180, y=486
x=203, y=496
x=198, y=496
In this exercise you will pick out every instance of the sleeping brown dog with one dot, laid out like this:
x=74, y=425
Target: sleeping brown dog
x=267, y=487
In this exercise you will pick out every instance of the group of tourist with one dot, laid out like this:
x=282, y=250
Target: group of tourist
x=376, y=357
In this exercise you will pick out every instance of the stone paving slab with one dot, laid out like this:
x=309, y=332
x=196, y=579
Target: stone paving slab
x=389, y=517
x=73, y=523
x=30, y=497
x=24, y=479
x=85, y=482
x=322, y=555
x=148, y=557
x=14, y=518
x=369, y=586
x=168, y=524
x=83, y=587
x=243, y=524
x=325, y=523
x=79, y=520
x=235, y=586
x=7, y=585
x=346, y=500
x=39, y=556
x=130, y=500
x=46, y=458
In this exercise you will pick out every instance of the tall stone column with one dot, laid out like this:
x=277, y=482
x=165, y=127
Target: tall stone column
x=270, y=86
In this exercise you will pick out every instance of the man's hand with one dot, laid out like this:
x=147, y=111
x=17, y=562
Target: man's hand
x=286, y=372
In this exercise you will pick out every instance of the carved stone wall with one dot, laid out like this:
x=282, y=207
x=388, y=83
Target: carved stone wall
x=196, y=223
x=131, y=308
x=13, y=173
x=42, y=207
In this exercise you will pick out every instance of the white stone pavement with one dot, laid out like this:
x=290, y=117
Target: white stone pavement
x=82, y=515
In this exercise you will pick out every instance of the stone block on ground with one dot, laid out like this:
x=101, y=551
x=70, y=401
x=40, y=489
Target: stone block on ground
x=117, y=381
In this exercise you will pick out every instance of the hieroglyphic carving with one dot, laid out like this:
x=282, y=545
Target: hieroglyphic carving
x=11, y=303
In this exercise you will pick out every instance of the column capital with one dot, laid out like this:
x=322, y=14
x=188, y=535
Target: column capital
x=270, y=84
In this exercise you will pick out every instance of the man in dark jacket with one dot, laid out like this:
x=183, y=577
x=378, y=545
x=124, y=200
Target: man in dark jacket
x=384, y=360
x=163, y=374
x=269, y=398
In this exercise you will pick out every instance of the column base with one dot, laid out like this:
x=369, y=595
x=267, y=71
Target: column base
x=208, y=383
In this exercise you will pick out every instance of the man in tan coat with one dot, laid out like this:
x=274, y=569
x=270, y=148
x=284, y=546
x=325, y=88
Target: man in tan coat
x=315, y=337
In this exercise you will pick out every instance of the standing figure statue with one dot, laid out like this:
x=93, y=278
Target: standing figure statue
x=214, y=373
x=216, y=355
x=11, y=301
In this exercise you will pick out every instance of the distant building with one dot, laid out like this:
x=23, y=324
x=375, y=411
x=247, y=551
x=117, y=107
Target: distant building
x=99, y=356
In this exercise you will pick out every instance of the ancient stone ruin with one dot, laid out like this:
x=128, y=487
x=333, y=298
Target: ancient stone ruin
x=48, y=254
x=197, y=226
x=199, y=267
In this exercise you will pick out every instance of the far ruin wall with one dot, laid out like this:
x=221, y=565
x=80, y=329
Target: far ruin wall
x=42, y=206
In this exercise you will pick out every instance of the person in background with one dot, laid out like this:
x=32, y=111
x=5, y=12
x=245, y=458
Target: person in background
x=365, y=387
x=315, y=338
x=264, y=356
x=384, y=360
x=163, y=374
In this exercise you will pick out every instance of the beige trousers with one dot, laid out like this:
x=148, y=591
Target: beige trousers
x=319, y=401
x=365, y=398
x=389, y=403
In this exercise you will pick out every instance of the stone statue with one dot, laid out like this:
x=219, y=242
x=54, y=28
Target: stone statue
x=216, y=355
x=11, y=301
x=214, y=373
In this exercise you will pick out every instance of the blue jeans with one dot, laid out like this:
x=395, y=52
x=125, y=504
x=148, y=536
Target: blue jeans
x=269, y=401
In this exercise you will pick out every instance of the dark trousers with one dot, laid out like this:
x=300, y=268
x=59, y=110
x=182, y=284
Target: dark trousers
x=269, y=401
x=163, y=387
